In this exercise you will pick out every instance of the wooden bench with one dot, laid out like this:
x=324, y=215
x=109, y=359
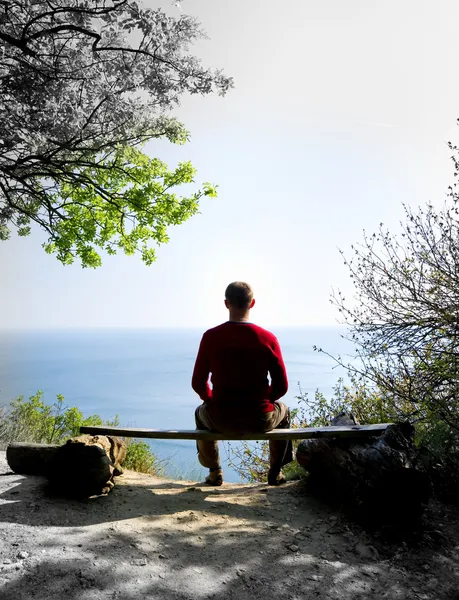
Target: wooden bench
x=354, y=431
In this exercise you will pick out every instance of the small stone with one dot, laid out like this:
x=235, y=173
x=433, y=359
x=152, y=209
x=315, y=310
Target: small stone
x=7, y=561
x=23, y=555
x=333, y=518
x=349, y=537
x=364, y=551
x=426, y=567
x=162, y=556
x=188, y=518
x=140, y=562
x=293, y=548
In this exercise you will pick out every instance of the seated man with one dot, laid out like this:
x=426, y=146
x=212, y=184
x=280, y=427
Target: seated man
x=239, y=355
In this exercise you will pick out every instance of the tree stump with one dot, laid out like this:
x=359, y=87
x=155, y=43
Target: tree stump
x=377, y=478
x=30, y=459
x=84, y=466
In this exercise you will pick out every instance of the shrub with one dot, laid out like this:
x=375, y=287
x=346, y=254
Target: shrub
x=139, y=457
x=34, y=421
x=436, y=440
x=251, y=460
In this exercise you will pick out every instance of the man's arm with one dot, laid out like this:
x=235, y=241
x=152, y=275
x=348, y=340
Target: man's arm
x=278, y=373
x=200, y=379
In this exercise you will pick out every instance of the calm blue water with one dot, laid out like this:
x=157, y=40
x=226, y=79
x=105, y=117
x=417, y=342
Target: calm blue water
x=143, y=376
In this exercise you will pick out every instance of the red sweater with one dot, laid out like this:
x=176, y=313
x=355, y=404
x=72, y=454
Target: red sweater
x=240, y=356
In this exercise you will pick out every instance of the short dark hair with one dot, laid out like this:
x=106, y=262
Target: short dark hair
x=239, y=294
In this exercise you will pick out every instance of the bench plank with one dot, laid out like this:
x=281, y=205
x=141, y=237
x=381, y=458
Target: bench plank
x=275, y=434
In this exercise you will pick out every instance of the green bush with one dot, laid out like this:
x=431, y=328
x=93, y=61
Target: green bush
x=251, y=460
x=139, y=457
x=437, y=441
x=34, y=421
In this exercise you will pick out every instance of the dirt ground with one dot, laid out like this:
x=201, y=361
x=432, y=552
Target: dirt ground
x=154, y=538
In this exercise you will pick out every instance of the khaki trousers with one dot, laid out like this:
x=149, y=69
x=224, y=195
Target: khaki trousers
x=280, y=451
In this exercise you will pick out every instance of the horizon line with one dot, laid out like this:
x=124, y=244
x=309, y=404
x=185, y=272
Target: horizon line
x=149, y=327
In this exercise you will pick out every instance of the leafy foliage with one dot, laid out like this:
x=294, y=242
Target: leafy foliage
x=139, y=457
x=404, y=324
x=436, y=441
x=35, y=421
x=78, y=94
x=131, y=205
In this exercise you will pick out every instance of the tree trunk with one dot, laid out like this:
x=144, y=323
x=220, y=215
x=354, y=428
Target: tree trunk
x=377, y=478
x=30, y=459
x=84, y=466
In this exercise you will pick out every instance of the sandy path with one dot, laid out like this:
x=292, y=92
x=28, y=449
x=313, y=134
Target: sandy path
x=153, y=538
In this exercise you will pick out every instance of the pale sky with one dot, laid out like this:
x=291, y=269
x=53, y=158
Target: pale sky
x=340, y=113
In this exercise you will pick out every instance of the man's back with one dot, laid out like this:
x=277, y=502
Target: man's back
x=240, y=355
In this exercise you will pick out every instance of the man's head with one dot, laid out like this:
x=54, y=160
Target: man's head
x=239, y=298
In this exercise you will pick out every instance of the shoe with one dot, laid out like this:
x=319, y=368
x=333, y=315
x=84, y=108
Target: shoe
x=275, y=476
x=215, y=477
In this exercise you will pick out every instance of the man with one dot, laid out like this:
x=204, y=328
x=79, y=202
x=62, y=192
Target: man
x=239, y=355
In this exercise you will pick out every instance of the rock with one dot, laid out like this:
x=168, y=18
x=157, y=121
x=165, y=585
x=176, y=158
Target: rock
x=188, y=518
x=349, y=537
x=23, y=555
x=139, y=562
x=364, y=551
x=293, y=548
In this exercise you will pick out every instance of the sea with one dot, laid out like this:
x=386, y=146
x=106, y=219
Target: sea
x=144, y=377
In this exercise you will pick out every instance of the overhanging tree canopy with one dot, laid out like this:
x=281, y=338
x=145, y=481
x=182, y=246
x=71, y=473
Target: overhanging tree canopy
x=83, y=83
